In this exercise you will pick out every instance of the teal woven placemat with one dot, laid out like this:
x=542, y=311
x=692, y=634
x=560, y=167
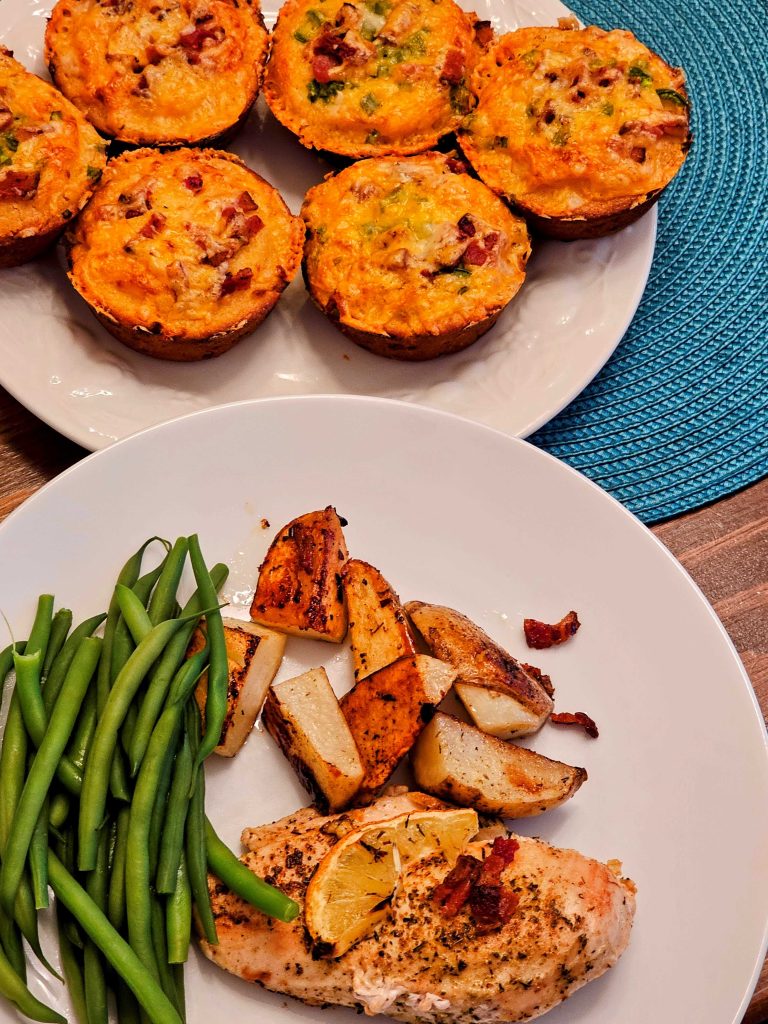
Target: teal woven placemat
x=679, y=416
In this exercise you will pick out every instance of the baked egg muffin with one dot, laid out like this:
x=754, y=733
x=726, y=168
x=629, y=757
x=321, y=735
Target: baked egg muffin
x=371, y=77
x=410, y=256
x=580, y=128
x=50, y=161
x=181, y=253
x=159, y=72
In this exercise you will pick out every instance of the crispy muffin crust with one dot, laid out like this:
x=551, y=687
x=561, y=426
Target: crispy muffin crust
x=159, y=72
x=371, y=77
x=50, y=162
x=411, y=257
x=181, y=253
x=580, y=129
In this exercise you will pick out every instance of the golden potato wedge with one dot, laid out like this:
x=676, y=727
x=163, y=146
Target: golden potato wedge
x=254, y=655
x=460, y=763
x=299, y=589
x=303, y=717
x=388, y=710
x=378, y=625
x=522, y=705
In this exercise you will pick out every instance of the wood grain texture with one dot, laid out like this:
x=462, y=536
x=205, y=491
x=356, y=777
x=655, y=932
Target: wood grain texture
x=723, y=546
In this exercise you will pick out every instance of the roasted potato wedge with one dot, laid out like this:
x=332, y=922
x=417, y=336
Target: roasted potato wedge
x=303, y=717
x=299, y=588
x=378, y=626
x=458, y=762
x=481, y=663
x=254, y=655
x=388, y=710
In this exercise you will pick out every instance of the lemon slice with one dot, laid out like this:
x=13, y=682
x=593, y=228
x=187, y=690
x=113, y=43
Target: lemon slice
x=354, y=883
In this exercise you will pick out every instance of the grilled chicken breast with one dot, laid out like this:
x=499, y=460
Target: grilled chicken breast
x=571, y=924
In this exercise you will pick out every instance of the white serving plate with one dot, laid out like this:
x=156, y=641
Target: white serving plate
x=459, y=514
x=551, y=341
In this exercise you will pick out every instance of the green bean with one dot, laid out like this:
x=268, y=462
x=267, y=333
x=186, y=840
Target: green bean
x=167, y=981
x=44, y=765
x=163, y=600
x=6, y=658
x=157, y=690
x=172, y=840
x=38, y=858
x=10, y=941
x=35, y=715
x=178, y=917
x=58, y=811
x=116, y=898
x=181, y=998
x=234, y=874
x=194, y=834
x=128, y=1011
x=13, y=988
x=124, y=644
x=63, y=660
x=96, y=779
x=28, y=667
x=118, y=778
x=41, y=627
x=148, y=992
x=127, y=576
x=13, y=761
x=82, y=735
x=93, y=967
x=159, y=812
x=138, y=866
x=218, y=669
x=134, y=613
x=71, y=967
x=60, y=626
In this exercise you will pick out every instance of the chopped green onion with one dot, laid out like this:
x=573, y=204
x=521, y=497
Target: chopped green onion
x=369, y=103
x=670, y=96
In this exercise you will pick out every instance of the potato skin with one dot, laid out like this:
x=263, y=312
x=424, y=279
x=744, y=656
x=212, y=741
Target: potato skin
x=47, y=139
x=165, y=237
x=581, y=130
x=410, y=257
x=195, y=72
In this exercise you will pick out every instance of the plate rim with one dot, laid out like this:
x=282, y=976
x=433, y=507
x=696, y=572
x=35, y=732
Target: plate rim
x=397, y=407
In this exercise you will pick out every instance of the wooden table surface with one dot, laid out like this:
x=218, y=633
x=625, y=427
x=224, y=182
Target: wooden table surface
x=723, y=546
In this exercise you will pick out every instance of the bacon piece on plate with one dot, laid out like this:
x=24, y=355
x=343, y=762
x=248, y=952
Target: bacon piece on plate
x=544, y=634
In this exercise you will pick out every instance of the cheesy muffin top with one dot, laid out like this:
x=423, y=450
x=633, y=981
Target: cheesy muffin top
x=370, y=77
x=158, y=71
x=407, y=246
x=50, y=157
x=575, y=122
x=187, y=243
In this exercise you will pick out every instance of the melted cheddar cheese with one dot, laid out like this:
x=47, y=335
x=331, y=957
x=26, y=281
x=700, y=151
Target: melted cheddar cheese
x=158, y=71
x=576, y=123
x=184, y=244
x=50, y=157
x=370, y=77
x=403, y=247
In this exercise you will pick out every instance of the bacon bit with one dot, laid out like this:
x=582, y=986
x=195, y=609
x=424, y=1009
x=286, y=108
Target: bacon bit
x=19, y=184
x=229, y=213
x=321, y=68
x=253, y=225
x=492, y=906
x=502, y=853
x=236, y=282
x=192, y=40
x=483, y=32
x=475, y=255
x=453, y=892
x=576, y=718
x=26, y=132
x=637, y=153
x=154, y=56
x=194, y=182
x=540, y=677
x=543, y=634
x=453, y=163
x=453, y=68
x=246, y=202
x=155, y=223
x=466, y=227
x=6, y=118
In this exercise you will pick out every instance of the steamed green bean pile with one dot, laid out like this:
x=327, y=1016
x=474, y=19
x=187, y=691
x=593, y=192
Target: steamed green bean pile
x=102, y=792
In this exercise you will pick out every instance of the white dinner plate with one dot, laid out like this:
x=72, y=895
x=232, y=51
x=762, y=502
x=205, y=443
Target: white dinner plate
x=551, y=341
x=455, y=513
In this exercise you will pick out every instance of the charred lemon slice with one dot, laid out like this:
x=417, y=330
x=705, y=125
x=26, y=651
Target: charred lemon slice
x=355, y=882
